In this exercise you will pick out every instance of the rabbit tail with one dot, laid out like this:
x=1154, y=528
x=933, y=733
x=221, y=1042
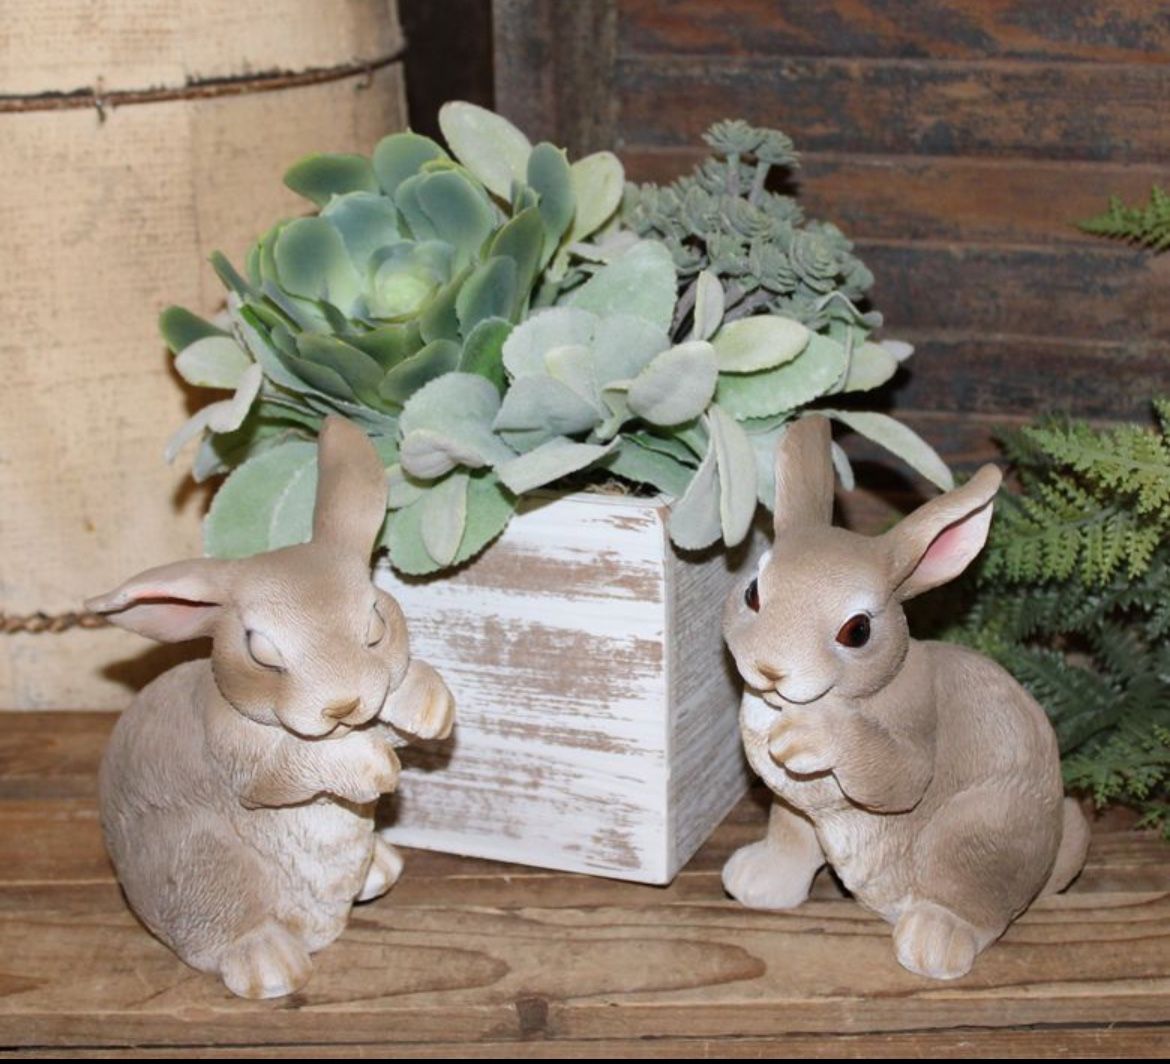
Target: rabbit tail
x=1074, y=845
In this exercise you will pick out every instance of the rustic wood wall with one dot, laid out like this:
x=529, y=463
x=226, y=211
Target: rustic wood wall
x=955, y=140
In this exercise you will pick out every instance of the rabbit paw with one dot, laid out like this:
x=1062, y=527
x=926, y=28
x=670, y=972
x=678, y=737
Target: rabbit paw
x=366, y=766
x=265, y=963
x=932, y=941
x=422, y=705
x=385, y=868
x=761, y=876
x=802, y=742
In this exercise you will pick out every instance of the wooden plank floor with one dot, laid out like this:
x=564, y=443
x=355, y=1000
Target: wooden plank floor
x=471, y=958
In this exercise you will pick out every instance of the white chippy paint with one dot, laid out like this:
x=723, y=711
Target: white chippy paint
x=587, y=739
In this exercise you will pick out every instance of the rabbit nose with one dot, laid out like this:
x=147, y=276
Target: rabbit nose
x=341, y=710
x=769, y=672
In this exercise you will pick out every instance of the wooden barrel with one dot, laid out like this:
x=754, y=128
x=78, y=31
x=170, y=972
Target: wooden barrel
x=138, y=138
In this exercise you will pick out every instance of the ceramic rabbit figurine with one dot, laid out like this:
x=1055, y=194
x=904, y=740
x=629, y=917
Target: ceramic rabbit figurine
x=237, y=793
x=922, y=772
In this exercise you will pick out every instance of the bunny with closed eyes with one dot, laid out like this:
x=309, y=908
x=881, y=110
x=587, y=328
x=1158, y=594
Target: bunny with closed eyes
x=921, y=772
x=237, y=793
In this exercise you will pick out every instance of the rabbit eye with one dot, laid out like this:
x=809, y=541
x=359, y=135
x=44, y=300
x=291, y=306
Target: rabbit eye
x=855, y=631
x=264, y=652
x=376, y=630
x=751, y=596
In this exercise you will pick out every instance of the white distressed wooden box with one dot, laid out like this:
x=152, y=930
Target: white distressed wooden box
x=596, y=708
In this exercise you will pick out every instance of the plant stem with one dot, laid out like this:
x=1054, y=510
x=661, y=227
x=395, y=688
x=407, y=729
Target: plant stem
x=749, y=305
x=758, y=179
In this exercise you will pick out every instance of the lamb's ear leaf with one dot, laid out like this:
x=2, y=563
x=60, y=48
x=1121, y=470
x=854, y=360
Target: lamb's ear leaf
x=942, y=537
x=170, y=603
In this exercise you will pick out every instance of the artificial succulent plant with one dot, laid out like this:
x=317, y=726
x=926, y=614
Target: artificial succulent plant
x=496, y=324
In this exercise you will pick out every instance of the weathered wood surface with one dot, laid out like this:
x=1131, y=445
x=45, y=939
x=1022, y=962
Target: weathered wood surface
x=1116, y=31
x=471, y=957
x=960, y=199
x=1031, y=110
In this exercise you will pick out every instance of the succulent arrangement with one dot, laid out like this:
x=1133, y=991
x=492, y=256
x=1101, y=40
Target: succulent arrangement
x=498, y=319
x=1073, y=597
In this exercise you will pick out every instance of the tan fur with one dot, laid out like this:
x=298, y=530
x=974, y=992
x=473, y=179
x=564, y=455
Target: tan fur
x=237, y=793
x=922, y=772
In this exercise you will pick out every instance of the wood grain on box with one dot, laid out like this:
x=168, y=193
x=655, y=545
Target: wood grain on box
x=596, y=717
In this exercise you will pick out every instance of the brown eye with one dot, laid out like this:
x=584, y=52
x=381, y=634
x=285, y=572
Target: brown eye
x=855, y=631
x=751, y=596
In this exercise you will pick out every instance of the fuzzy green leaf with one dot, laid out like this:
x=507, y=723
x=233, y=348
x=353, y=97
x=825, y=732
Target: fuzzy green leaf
x=402, y=155
x=251, y=513
x=736, y=464
x=490, y=292
x=598, y=182
x=493, y=149
x=419, y=369
x=695, y=520
x=321, y=177
x=215, y=361
x=870, y=367
x=788, y=387
x=550, y=461
x=641, y=465
x=758, y=343
x=312, y=262
x=550, y=177
x=459, y=215
x=444, y=517
x=483, y=351
x=899, y=440
x=641, y=282
x=365, y=223
x=708, y=306
x=530, y=341
x=542, y=408
x=180, y=328
x=676, y=386
x=448, y=423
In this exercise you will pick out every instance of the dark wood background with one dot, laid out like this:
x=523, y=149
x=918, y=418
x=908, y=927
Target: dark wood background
x=956, y=141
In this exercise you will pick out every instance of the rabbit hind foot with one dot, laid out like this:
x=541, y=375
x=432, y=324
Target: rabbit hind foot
x=931, y=940
x=267, y=962
x=385, y=868
x=776, y=872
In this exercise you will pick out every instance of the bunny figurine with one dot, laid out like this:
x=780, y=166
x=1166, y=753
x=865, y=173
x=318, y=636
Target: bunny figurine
x=237, y=793
x=922, y=772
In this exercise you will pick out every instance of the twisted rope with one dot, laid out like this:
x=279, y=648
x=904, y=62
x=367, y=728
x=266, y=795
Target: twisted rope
x=40, y=621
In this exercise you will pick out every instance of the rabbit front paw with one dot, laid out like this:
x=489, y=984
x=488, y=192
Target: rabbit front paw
x=364, y=766
x=802, y=742
x=422, y=705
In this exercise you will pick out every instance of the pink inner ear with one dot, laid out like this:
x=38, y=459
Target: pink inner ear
x=169, y=621
x=952, y=551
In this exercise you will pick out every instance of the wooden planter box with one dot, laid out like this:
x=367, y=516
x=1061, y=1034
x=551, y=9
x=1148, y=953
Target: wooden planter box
x=596, y=706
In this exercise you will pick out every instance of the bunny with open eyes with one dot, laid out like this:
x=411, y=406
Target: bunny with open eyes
x=922, y=772
x=237, y=793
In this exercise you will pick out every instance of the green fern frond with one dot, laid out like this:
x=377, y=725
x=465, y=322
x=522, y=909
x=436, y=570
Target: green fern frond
x=1072, y=596
x=1148, y=225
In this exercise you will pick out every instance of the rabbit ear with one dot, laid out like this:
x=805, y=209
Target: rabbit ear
x=804, y=475
x=942, y=537
x=171, y=603
x=351, y=488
